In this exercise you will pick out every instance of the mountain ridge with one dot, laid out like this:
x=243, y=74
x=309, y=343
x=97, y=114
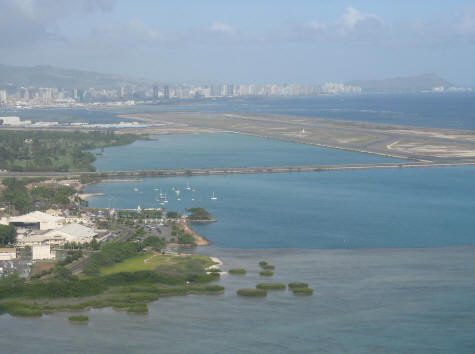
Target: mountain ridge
x=423, y=82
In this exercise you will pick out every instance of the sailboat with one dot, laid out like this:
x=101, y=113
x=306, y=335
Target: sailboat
x=188, y=186
x=165, y=201
x=214, y=197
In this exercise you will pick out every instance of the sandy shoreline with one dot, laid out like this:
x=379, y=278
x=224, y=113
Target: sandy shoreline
x=199, y=240
x=84, y=196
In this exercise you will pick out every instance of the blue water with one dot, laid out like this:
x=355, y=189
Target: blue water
x=428, y=207
x=222, y=150
x=365, y=301
x=453, y=111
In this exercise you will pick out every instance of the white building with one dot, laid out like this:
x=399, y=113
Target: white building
x=38, y=220
x=68, y=233
x=14, y=121
x=7, y=254
x=42, y=252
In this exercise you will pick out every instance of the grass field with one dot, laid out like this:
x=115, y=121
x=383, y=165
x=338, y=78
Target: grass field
x=151, y=260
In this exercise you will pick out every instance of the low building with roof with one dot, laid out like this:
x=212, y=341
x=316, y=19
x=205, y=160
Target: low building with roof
x=68, y=233
x=40, y=252
x=7, y=254
x=37, y=220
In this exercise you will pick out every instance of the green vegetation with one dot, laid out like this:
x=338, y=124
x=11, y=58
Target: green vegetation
x=183, y=237
x=237, y=271
x=302, y=291
x=186, y=239
x=252, y=292
x=266, y=266
x=78, y=319
x=297, y=285
x=143, y=214
x=26, y=150
x=173, y=215
x=110, y=253
x=163, y=263
x=41, y=197
x=266, y=273
x=198, y=214
x=270, y=286
x=7, y=235
x=18, y=309
x=139, y=309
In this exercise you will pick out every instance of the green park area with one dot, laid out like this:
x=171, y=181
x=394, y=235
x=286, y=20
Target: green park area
x=65, y=151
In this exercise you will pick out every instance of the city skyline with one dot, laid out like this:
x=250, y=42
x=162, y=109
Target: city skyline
x=265, y=42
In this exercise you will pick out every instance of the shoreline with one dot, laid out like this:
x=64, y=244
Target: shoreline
x=199, y=240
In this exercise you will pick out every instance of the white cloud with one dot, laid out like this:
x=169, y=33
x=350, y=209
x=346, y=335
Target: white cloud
x=352, y=17
x=28, y=21
x=221, y=27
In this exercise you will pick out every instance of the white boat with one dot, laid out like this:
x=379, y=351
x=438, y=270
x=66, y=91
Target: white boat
x=188, y=186
x=136, y=189
x=214, y=197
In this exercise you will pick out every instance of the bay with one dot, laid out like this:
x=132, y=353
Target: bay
x=419, y=207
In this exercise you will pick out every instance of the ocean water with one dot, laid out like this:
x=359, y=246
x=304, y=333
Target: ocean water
x=419, y=207
x=222, y=150
x=365, y=301
x=448, y=110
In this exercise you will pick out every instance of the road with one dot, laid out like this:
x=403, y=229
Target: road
x=234, y=170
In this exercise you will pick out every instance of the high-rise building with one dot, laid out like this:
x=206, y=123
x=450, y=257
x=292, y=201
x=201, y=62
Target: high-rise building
x=155, y=92
x=3, y=96
x=166, y=92
x=228, y=90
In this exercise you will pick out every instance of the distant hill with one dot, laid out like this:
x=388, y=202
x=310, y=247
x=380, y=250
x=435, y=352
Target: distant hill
x=48, y=76
x=419, y=83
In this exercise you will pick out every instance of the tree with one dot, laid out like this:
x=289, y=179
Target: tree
x=7, y=234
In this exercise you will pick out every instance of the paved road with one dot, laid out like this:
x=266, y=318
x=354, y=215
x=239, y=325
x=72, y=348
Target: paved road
x=235, y=170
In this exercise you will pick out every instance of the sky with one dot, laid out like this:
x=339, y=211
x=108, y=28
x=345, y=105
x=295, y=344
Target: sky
x=260, y=41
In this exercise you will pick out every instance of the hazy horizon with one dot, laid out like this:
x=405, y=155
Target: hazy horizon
x=245, y=42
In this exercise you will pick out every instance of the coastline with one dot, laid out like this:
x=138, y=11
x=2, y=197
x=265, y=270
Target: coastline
x=199, y=240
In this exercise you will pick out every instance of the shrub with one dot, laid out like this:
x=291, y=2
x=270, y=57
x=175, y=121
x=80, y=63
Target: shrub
x=78, y=319
x=238, y=271
x=140, y=309
x=297, y=285
x=302, y=291
x=252, y=292
x=268, y=267
x=263, y=263
x=266, y=273
x=270, y=286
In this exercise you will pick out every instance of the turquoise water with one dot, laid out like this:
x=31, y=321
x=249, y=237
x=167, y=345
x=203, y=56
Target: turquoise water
x=222, y=150
x=365, y=301
x=426, y=207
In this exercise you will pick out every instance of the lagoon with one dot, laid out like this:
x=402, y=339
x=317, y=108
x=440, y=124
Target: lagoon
x=182, y=151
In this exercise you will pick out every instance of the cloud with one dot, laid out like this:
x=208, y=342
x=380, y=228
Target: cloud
x=352, y=17
x=27, y=21
x=221, y=27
